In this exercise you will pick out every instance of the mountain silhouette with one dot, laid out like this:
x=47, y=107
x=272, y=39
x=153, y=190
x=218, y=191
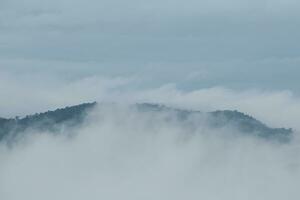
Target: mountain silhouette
x=73, y=116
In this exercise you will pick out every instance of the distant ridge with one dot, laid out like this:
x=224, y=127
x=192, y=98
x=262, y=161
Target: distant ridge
x=47, y=121
x=73, y=116
x=221, y=118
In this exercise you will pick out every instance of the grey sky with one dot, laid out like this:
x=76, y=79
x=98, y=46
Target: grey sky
x=201, y=55
x=195, y=44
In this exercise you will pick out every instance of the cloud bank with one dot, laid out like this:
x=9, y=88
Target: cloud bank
x=28, y=93
x=121, y=153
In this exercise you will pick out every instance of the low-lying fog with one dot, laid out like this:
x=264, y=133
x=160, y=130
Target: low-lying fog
x=120, y=153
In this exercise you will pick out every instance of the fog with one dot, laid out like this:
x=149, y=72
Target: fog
x=121, y=153
x=43, y=92
x=194, y=55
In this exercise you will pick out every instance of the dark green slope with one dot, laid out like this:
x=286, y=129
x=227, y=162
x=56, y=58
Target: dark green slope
x=48, y=121
x=70, y=117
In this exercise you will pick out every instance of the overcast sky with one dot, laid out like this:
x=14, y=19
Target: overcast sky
x=194, y=44
x=201, y=55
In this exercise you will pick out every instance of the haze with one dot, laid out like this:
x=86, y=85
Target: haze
x=195, y=55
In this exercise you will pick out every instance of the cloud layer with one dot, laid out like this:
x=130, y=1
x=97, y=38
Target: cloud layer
x=27, y=94
x=121, y=153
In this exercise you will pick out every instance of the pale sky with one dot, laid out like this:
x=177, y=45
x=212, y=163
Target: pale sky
x=194, y=44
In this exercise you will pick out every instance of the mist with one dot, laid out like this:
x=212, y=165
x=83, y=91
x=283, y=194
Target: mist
x=188, y=55
x=122, y=153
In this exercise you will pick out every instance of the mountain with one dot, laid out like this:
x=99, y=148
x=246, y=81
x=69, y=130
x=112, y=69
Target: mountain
x=225, y=118
x=72, y=117
x=50, y=121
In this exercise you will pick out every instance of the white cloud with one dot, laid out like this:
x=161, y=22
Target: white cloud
x=276, y=108
x=27, y=93
x=120, y=153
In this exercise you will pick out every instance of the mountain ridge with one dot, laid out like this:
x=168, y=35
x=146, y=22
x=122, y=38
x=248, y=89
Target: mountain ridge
x=73, y=116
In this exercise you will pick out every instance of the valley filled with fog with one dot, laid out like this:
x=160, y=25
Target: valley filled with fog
x=122, y=151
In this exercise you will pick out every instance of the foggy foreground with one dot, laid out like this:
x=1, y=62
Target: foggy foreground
x=121, y=153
